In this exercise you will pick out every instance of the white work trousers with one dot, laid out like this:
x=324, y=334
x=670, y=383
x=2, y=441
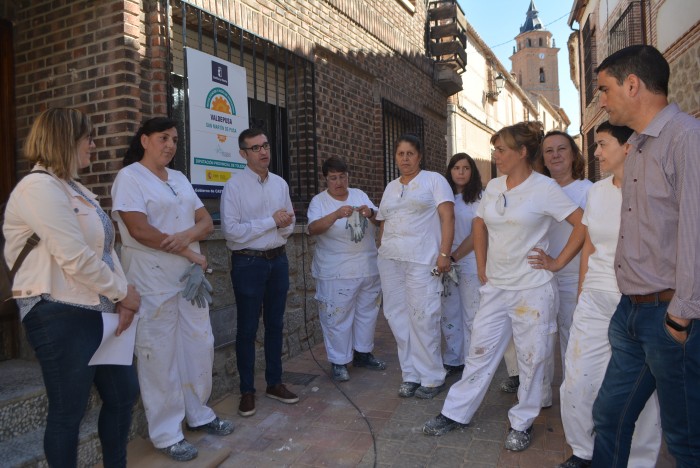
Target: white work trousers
x=412, y=308
x=568, y=290
x=529, y=317
x=347, y=310
x=459, y=305
x=175, y=352
x=586, y=361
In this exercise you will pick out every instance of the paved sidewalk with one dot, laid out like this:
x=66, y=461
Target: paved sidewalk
x=324, y=429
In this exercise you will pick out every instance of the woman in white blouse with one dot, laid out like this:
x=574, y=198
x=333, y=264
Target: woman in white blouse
x=461, y=300
x=417, y=226
x=589, y=351
x=519, y=296
x=345, y=268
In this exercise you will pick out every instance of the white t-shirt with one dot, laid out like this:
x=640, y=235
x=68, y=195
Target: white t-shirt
x=464, y=215
x=170, y=208
x=411, y=221
x=336, y=255
x=602, y=216
x=560, y=232
x=529, y=211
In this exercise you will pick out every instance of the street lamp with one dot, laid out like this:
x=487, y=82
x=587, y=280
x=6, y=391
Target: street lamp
x=500, y=83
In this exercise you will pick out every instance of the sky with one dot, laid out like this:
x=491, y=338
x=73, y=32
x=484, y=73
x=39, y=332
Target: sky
x=499, y=21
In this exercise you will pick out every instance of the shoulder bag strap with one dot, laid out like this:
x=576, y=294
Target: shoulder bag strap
x=31, y=242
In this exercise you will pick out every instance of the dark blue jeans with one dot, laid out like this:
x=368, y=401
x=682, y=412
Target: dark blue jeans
x=646, y=357
x=259, y=283
x=64, y=339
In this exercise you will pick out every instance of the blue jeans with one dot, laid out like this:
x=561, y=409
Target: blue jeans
x=259, y=282
x=64, y=338
x=646, y=357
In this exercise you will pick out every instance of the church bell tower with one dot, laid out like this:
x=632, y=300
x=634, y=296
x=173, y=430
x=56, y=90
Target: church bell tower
x=534, y=58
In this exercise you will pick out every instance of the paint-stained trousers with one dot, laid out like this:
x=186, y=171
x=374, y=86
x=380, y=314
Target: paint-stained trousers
x=412, y=308
x=347, y=310
x=175, y=351
x=529, y=317
x=587, y=359
x=459, y=305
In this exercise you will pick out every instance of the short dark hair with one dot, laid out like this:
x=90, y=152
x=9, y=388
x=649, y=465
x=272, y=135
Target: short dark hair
x=578, y=168
x=333, y=164
x=411, y=138
x=644, y=61
x=620, y=132
x=472, y=191
x=134, y=153
x=249, y=133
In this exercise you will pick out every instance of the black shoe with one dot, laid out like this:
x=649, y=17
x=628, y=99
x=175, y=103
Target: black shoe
x=427, y=393
x=367, y=360
x=511, y=384
x=453, y=370
x=517, y=441
x=339, y=372
x=408, y=389
x=440, y=425
x=219, y=427
x=575, y=462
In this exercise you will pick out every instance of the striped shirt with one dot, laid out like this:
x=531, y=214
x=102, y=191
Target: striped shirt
x=659, y=243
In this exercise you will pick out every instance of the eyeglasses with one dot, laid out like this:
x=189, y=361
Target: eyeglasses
x=257, y=148
x=501, y=203
x=171, y=188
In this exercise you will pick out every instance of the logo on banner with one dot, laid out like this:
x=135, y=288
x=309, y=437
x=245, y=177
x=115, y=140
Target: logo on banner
x=219, y=73
x=219, y=100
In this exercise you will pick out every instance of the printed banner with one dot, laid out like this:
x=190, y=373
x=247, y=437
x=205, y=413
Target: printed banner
x=218, y=113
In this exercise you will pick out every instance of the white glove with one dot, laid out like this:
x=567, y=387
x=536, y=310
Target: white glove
x=357, y=225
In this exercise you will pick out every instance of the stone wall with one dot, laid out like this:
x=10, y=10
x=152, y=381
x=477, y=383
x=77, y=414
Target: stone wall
x=301, y=315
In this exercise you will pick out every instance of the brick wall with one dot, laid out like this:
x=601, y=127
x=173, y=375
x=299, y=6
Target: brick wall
x=109, y=57
x=84, y=55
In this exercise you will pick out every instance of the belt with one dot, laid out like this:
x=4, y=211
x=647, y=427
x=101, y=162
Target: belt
x=662, y=296
x=267, y=254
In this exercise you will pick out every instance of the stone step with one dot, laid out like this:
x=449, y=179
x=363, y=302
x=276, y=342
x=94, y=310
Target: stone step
x=23, y=401
x=27, y=450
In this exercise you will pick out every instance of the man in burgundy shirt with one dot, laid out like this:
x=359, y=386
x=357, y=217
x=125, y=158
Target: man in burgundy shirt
x=654, y=333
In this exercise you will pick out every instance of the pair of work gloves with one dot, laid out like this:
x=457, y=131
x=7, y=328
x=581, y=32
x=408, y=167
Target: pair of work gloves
x=357, y=225
x=450, y=275
x=197, y=288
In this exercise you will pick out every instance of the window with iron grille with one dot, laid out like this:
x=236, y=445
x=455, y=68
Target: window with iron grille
x=627, y=30
x=396, y=121
x=589, y=51
x=593, y=165
x=280, y=95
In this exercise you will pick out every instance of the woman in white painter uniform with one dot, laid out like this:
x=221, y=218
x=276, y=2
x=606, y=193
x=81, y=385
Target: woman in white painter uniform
x=345, y=269
x=417, y=227
x=161, y=221
x=460, y=301
x=563, y=162
x=589, y=351
x=519, y=297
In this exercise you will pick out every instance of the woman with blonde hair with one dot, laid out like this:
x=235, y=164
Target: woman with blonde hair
x=519, y=296
x=64, y=283
x=563, y=162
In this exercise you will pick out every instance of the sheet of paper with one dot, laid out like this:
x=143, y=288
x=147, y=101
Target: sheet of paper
x=117, y=350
